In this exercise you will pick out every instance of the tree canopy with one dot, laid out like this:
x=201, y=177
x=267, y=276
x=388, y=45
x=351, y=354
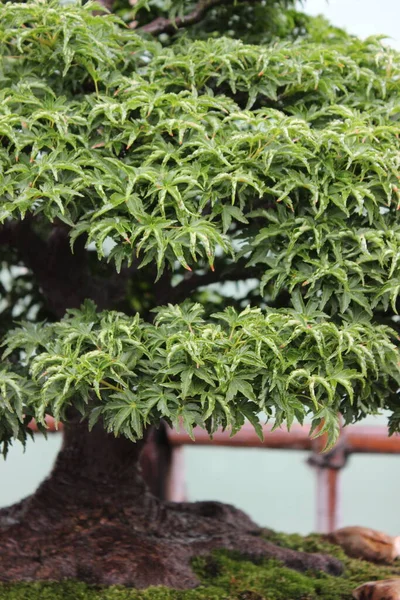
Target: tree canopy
x=186, y=160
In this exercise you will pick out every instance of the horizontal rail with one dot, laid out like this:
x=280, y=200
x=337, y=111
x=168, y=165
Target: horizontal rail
x=356, y=438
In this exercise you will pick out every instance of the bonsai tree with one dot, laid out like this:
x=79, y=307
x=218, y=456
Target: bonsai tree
x=145, y=157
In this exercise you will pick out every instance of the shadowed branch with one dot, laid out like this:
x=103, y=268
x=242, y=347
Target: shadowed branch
x=164, y=25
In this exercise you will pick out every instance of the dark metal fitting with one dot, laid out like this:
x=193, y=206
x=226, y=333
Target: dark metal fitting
x=333, y=459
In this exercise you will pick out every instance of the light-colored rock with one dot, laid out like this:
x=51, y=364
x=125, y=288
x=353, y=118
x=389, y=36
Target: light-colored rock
x=361, y=542
x=388, y=589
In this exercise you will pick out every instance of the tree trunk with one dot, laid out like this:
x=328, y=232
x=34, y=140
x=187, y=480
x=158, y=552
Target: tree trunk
x=94, y=519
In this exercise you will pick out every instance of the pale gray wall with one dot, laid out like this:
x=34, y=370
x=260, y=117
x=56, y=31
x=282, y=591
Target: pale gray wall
x=361, y=17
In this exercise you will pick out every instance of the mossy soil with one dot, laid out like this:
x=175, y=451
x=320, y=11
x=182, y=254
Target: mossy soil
x=228, y=576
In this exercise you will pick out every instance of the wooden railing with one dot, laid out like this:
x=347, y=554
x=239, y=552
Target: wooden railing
x=354, y=439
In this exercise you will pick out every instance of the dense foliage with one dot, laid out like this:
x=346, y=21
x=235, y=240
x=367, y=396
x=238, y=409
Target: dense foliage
x=186, y=161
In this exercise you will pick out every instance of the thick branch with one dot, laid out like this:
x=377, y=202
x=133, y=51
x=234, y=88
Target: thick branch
x=163, y=25
x=9, y=234
x=61, y=275
x=65, y=278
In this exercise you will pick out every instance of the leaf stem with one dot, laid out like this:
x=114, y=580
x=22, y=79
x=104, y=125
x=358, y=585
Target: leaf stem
x=110, y=385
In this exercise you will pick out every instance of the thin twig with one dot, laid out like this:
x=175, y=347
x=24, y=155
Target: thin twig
x=232, y=272
x=163, y=25
x=108, y=5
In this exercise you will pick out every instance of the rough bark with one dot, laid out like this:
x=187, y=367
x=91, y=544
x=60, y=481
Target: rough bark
x=94, y=519
x=64, y=277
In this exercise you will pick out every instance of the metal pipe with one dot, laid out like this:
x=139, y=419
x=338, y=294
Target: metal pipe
x=327, y=499
x=356, y=438
x=176, y=487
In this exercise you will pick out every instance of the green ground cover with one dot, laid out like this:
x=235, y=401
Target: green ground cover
x=227, y=576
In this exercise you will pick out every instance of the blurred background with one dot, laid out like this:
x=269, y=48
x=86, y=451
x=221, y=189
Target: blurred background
x=275, y=487
x=360, y=17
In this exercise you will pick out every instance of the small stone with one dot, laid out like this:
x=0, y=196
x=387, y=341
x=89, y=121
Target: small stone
x=388, y=589
x=368, y=544
x=250, y=596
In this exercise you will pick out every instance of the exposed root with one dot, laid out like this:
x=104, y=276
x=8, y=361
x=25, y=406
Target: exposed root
x=133, y=546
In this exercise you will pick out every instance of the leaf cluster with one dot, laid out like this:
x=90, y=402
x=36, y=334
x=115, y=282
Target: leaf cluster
x=182, y=157
x=193, y=371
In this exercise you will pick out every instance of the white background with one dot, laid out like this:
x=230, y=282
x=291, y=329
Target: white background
x=361, y=17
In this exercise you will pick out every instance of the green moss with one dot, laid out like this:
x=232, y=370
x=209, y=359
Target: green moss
x=226, y=576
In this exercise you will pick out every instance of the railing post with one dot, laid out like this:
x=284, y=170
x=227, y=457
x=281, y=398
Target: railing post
x=327, y=499
x=327, y=468
x=176, y=483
